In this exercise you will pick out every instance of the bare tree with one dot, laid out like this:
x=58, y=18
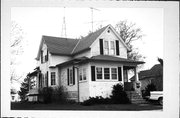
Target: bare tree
x=129, y=33
x=16, y=48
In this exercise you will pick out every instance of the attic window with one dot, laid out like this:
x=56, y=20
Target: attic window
x=108, y=31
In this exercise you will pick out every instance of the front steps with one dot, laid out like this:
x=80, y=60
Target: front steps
x=136, y=98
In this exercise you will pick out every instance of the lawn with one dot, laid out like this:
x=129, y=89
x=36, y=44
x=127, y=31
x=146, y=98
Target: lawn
x=55, y=106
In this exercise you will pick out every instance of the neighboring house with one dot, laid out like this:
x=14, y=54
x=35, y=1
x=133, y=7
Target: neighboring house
x=14, y=96
x=85, y=67
x=153, y=75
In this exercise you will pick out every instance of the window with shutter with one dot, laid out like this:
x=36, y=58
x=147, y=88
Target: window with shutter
x=93, y=73
x=53, y=78
x=41, y=56
x=117, y=47
x=99, y=73
x=112, y=50
x=101, y=46
x=106, y=47
x=119, y=74
x=68, y=76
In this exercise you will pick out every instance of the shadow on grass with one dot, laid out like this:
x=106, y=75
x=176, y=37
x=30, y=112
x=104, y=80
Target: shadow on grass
x=76, y=106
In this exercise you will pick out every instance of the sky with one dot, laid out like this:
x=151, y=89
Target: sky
x=38, y=21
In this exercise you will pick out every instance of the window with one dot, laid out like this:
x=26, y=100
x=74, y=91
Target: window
x=112, y=51
x=80, y=75
x=106, y=73
x=114, y=73
x=13, y=97
x=106, y=47
x=71, y=77
x=44, y=56
x=41, y=56
x=99, y=72
x=53, y=78
x=84, y=73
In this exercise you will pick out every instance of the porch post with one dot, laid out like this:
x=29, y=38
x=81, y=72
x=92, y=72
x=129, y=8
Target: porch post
x=136, y=74
x=137, y=83
x=122, y=74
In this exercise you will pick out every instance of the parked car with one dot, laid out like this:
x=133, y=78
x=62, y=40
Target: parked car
x=157, y=95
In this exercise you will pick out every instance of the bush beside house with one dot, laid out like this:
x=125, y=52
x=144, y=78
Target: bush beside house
x=49, y=94
x=118, y=96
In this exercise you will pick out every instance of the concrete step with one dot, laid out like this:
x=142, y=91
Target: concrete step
x=136, y=98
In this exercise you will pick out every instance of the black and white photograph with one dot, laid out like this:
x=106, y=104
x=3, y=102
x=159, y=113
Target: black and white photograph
x=74, y=60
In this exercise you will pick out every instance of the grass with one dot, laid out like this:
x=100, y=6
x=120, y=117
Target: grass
x=112, y=107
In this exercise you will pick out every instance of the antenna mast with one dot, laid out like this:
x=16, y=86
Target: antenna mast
x=63, y=32
x=92, y=21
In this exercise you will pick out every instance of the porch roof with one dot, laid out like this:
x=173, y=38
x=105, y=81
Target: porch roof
x=115, y=59
x=105, y=58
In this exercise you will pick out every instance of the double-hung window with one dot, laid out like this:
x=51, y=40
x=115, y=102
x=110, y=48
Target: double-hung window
x=53, y=78
x=84, y=74
x=71, y=77
x=106, y=47
x=80, y=74
x=112, y=49
x=114, y=73
x=99, y=72
x=106, y=73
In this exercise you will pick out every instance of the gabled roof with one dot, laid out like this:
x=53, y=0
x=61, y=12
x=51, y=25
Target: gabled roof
x=67, y=46
x=57, y=45
x=86, y=42
x=156, y=70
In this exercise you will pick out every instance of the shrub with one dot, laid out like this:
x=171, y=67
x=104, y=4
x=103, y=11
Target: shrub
x=96, y=100
x=149, y=87
x=59, y=95
x=46, y=94
x=119, y=96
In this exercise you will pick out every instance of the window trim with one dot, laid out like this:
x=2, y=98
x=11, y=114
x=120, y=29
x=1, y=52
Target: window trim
x=106, y=48
x=114, y=48
x=113, y=73
x=70, y=76
x=110, y=73
x=96, y=73
x=52, y=84
x=81, y=73
x=109, y=49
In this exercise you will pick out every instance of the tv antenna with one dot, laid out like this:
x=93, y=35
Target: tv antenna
x=63, y=31
x=92, y=20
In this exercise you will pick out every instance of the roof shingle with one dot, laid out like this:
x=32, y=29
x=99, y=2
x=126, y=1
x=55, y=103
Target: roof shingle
x=88, y=40
x=61, y=46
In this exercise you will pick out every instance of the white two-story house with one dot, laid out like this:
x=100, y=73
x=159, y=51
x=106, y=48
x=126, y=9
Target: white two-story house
x=85, y=67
